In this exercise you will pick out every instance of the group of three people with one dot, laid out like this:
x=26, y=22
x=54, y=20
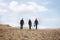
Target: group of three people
x=29, y=23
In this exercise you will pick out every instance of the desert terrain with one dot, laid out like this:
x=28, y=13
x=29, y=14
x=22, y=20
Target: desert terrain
x=10, y=33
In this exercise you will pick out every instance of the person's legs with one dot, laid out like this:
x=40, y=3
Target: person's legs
x=30, y=27
x=36, y=26
x=21, y=27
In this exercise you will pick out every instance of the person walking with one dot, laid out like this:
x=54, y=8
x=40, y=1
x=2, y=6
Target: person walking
x=21, y=23
x=30, y=24
x=36, y=23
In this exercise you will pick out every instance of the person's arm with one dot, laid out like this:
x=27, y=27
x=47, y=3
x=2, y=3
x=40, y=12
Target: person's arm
x=23, y=22
x=38, y=22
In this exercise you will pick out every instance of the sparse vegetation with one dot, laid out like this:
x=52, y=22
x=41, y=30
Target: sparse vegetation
x=10, y=33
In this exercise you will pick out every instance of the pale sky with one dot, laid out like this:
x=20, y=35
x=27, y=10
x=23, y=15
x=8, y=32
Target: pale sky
x=46, y=11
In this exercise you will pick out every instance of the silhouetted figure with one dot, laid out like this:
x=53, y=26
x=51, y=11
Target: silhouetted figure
x=21, y=23
x=30, y=24
x=36, y=23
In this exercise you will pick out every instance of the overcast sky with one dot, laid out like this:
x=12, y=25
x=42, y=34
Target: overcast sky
x=46, y=11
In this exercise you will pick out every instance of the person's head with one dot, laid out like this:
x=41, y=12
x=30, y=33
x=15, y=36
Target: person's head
x=36, y=19
x=22, y=18
x=29, y=19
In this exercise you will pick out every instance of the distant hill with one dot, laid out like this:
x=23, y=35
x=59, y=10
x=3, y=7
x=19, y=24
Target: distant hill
x=9, y=33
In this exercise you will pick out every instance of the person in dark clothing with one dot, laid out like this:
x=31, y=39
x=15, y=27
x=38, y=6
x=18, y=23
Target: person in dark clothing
x=21, y=23
x=36, y=23
x=30, y=24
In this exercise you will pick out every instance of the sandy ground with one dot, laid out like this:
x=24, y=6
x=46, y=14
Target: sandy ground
x=9, y=33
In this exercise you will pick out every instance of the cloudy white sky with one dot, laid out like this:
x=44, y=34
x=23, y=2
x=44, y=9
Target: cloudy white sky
x=46, y=11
